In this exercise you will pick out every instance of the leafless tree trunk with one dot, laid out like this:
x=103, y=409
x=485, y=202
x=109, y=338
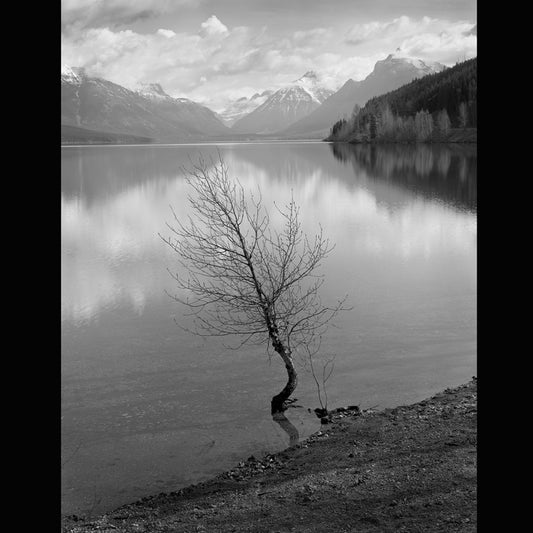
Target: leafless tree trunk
x=246, y=278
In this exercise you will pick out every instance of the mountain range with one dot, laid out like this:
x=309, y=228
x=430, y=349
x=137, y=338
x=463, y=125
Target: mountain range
x=101, y=105
x=388, y=74
x=96, y=108
x=285, y=106
x=242, y=107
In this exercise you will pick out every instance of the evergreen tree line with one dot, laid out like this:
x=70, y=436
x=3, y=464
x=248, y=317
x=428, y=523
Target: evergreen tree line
x=424, y=109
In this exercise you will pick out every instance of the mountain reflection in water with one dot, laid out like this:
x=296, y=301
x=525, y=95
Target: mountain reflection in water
x=442, y=172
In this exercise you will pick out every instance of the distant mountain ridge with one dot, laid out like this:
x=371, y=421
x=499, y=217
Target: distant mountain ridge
x=304, y=108
x=242, y=107
x=285, y=106
x=101, y=105
x=388, y=74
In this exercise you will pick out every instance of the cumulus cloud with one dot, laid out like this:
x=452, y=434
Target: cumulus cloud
x=446, y=47
x=213, y=26
x=181, y=62
x=426, y=38
x=215, y=63
x=361, y=33
x=166, y=33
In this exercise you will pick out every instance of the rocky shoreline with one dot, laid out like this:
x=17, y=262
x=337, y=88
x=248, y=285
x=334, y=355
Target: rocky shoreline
x=411, y=468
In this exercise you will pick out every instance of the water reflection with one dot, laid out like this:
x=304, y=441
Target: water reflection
x=139, y=393
x=94, y=173
x=288, y=427
x=110, y=248
x=444, y=172
x=114, y=204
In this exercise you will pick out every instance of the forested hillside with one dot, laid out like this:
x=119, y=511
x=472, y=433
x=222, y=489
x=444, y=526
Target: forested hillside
x=431, y=108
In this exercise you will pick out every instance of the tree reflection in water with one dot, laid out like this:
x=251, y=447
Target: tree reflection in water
x=288, y=427
x=445, y=172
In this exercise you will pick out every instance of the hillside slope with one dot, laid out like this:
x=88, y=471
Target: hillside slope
x=101, y=105
x=76, y=135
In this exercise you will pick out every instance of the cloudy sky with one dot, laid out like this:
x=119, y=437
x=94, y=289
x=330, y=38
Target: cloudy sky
x=215, y=51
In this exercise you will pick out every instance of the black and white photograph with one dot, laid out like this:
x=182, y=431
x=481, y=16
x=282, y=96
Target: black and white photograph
x=268, y=266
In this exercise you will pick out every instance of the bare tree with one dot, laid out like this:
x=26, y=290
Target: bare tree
x=327, y=369
x=246, y=278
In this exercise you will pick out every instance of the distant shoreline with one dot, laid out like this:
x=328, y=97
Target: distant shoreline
x=76, y=136
x=277, y=141
x=455, y=136
x=198, y=143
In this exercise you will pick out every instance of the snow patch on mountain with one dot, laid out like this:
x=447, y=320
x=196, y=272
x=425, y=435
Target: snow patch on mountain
x=400, y=58
x=313, y=84
x=152, y=90
x=243, y=106
x=288, y=104
x=71, y=75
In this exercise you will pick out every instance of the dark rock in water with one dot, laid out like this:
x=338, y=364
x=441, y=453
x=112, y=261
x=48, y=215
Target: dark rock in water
x=354, y=408
x=321, y=412
x=324, y=420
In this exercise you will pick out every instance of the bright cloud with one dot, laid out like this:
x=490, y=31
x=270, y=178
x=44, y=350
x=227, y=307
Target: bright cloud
x=166, y=33
x=215, y=63
x=361, y=33
x=446, y=47
x=213, y=26
x=426, y=38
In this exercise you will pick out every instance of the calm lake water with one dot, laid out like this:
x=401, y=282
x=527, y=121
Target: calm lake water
x=148, y=408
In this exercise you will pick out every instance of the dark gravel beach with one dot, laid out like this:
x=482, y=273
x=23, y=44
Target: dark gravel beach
x=411, y=468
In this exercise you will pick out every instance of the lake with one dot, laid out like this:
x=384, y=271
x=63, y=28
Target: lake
x=148, y=408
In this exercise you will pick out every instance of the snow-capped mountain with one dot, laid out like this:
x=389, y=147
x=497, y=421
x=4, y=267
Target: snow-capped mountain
x=71, y=75
x=399, y=64
x=103, y=106
x=154, y=91
x=311, y=82
x=305, y=107
x=388, y=74
x=242, y=107
x=285, y=106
